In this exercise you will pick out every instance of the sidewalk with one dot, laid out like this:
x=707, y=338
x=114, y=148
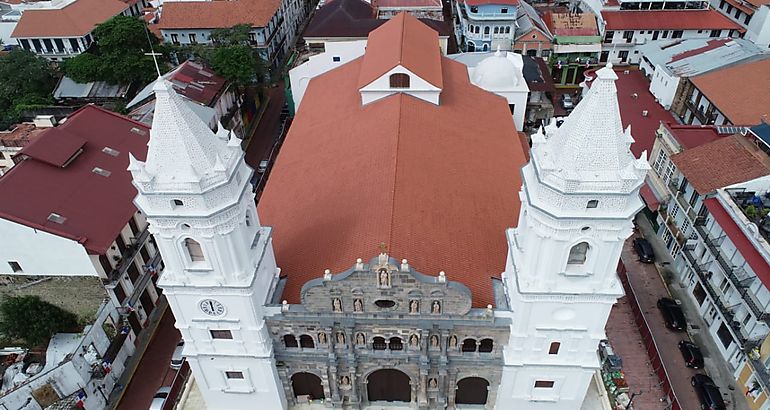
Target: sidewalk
x=716, y=366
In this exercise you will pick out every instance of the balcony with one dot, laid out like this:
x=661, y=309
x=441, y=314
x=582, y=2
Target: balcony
x=761, y=373
x=755, y=207
x=716, y=296
x=128, y=257
x=147, y=272
x=704, y=117
x=740, y=282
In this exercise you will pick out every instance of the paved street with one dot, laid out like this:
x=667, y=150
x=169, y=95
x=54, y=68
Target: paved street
x=153, y=370
x=268, y=128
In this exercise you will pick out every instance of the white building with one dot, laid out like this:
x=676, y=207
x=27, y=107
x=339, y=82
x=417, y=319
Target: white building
x=381, y=331
x=625, y=31
x=61, y=29
x=500, y=73
x=752, y=15
x=336, y=54
x=666, y=62
x=485, y=25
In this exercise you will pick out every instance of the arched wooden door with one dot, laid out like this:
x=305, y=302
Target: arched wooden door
x=472, y=390
x=307, y=384
x=388, y=385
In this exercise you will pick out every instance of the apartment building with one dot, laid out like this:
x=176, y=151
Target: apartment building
x=485, y=25
x=700, y=176
x=67, y=210
x=752, y=15
x=625, y=31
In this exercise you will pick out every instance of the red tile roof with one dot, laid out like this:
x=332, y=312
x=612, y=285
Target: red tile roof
x=197, y=82
x=96, y=207
x=76, y=19
x=566, y=24
x=722, y=163
x=406, y=42
x=649, y=197
x=484, y=2
x=737, y=4
x=435, y=188
x=20, y=136
x=740, y=92
x=752, y=256
x=668, y=20
x=217, y=14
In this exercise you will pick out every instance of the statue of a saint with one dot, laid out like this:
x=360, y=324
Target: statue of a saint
x=384, y=277
x=337, y=305
x=414, y=306
x=360, y=339
x=453, y=341
x=434, y=341
x=340, y=338
x=435, y=307
x=432, y=383
x=358, y=306
x=345, y=382
x=322, y=338
x=414, y=340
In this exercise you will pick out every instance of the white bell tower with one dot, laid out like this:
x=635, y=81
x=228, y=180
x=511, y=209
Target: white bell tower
x=219, y=264
x=580, y=193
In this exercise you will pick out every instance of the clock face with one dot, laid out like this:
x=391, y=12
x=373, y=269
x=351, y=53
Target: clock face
x=212, y=307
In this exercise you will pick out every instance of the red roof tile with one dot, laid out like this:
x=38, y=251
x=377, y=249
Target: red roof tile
x=752, y=256
x=710, y=45
x=722, y=163
x=483, y=2
x=55, y=147
x=96, y=207
x=76, y=19
x=217, y=14
x=649, y=197
x=740, y=92
x=668, y=20
x=197, y=82
x=435, y=188
x=406, y=42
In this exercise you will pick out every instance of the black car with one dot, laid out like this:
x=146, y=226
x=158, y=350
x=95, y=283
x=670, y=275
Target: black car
x=708, y=393
x=691, y=353
x=644, y=250
x=672, y=314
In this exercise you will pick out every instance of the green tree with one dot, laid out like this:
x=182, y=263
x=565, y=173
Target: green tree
x=238, y=34
x=237, y=63
x=119, y=56
x=34, y=320
x=25, y=79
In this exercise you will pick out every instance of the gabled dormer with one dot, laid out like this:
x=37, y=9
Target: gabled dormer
x=395, y=61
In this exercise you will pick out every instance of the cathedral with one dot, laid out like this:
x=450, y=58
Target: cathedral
x=409, y=250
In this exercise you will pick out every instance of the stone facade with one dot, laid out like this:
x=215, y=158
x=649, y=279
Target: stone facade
x=384, y=315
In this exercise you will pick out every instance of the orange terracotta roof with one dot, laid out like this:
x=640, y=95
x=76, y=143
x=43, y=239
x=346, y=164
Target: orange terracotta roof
x=404, y=41
x=740, y=92
x=758, y=3
x=217, y=14
x=740, y=6
x=76, y=19
x=435, y=188
x=669, y=20
x=722, y=163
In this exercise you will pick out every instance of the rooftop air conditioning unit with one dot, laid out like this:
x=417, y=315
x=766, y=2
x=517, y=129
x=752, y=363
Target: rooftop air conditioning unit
x=644, y=113
x=44, y=121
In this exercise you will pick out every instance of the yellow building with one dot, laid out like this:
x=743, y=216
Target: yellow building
x=754, y=377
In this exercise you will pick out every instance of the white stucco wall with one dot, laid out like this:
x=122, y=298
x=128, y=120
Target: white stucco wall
x=759, y=27
x=663, y=86
x=41, y=253
x=316, y=65
x=380, y=88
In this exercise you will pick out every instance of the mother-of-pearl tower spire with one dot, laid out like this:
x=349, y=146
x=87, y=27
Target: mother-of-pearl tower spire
x=579, y=197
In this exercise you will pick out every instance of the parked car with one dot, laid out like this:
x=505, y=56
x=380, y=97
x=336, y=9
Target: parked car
x=567, y=102
x=691, y=353
x=159, y=399
x=672, y=314
x=262, y=166
x=177, y=359
x=708, y=393
x=644, y=250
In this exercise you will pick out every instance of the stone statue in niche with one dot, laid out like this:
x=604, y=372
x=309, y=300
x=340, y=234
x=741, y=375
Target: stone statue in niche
x=340, y=338
x=435, y=307
x=434, y=341
x=453, y=341
x=414, y=306
x=432, y=383
x=360, y=339
x=358, y=305
x=414, y=341
x=322, y=338
x=345, y=382
x=383, y=278
x=336, y=305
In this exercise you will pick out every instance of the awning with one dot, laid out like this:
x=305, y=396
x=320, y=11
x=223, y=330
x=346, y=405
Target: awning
x=649, y=198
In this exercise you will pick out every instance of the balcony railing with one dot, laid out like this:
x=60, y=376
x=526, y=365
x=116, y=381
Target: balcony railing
x=127, y=258
x=147, y=272
x=761, y=373
x=741, y=283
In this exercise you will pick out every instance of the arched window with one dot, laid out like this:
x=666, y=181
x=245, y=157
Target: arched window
x=497, y=30
x=485, y=47
x=507, y=30
x=290, y=341
x=486, y=30
x=396, y=344
x=486, y=345
x=306, y=341
x=471, y=47
x=469, y=345
x=176, y=203
x=554, y=348
x=194, y=250
x=378, y=343
x=578, y=254
x=399, y=80
x=476, y=29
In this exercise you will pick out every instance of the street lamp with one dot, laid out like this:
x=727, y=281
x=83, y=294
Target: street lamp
x=631, y=400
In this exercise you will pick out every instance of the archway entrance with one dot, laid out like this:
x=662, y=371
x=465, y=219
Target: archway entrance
x=472, y=390
x=307, y=384
x=388, y=385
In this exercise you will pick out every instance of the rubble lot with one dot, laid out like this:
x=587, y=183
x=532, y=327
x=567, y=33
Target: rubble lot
x=81, y=295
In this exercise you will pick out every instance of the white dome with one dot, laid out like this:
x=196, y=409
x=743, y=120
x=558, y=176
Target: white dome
x=498, y=72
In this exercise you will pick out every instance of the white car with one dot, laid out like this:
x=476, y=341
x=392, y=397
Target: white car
x=262, y=166
x=159, y=399
x=177, y=359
